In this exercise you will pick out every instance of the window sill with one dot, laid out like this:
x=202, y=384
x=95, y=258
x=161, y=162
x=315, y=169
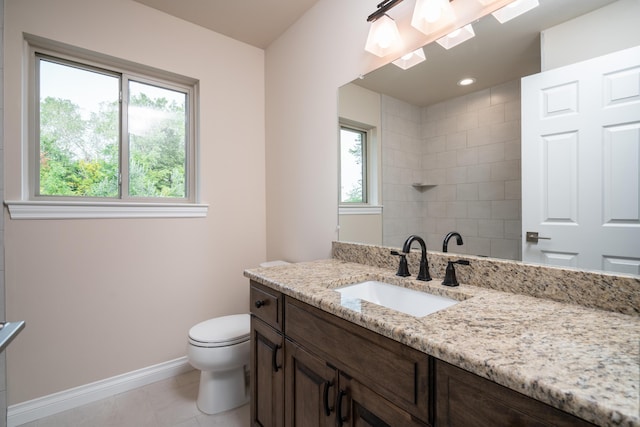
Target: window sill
x=21, y=209
x=360, y=210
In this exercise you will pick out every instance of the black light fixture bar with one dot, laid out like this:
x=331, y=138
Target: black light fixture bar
x=382, y=9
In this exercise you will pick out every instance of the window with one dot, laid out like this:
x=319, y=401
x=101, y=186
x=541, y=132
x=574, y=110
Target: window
x=110, y=132
x=353, y=165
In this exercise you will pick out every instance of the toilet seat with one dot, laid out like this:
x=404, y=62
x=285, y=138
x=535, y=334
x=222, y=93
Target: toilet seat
x=221, y=331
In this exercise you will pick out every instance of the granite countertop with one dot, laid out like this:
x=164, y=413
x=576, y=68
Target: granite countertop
x=581, y=360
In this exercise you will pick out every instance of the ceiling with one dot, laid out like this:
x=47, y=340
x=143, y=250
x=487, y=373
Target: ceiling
x=499, y=52
x=255, y=22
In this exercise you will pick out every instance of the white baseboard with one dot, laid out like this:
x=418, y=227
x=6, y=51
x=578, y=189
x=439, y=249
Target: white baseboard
x=41, y=407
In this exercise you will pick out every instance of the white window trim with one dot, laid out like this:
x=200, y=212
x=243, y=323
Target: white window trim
x=360, y=210
x=21, y=209
x=29, y=208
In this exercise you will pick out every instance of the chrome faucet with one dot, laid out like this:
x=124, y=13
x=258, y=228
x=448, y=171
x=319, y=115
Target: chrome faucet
x=423, y=274
x=445, y=242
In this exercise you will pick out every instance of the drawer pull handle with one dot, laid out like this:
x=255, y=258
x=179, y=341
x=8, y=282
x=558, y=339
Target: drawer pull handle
x=340, y=418
x=325, y=397
x=274, y=360
x=260, y=303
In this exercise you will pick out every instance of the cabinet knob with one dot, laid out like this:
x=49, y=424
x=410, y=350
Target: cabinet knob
x=259, y=303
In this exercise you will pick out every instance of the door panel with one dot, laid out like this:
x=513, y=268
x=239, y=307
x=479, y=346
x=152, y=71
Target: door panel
x=581, y=164
x=310, y=389
x=363, y=407
x=267, y=376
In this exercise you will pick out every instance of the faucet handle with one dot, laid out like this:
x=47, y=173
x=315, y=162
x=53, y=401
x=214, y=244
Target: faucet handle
x=403, y=268
x=450, y=278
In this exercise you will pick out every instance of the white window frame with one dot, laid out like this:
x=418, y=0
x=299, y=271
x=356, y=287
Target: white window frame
x=372, y=205
x=365, y=164
x=59, y=207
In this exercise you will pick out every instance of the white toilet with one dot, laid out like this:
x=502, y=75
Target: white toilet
x=220, y=349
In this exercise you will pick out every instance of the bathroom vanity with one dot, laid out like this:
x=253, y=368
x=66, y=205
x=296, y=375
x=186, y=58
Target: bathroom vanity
x=495, y=358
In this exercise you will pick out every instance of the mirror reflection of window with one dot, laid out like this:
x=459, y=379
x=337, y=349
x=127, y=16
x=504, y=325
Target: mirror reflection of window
x=353, y=165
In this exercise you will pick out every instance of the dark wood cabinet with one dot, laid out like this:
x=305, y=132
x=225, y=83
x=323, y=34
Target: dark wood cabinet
x=310, y=368
x=318, y=394
x=360, y=406
x=395, y=372
x=464, y=399
x=267, y=357
x=306, y=365
x=310, y=389
x=267, y=375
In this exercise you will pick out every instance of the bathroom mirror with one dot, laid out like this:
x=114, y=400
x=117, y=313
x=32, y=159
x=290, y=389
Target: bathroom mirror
x=415, y=201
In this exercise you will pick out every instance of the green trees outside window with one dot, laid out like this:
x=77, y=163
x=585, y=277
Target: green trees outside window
x=353, y=164
x=89, y=143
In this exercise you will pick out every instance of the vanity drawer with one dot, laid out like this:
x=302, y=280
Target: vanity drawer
x=396, y=372
x=266, y=304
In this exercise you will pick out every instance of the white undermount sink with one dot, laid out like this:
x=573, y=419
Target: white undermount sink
x=405, y=300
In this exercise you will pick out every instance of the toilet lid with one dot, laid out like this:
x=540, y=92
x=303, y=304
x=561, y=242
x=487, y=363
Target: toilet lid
x=225, y=330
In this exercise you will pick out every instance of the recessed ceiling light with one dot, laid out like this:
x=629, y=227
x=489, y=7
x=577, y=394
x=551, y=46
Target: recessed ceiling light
x=466, y=81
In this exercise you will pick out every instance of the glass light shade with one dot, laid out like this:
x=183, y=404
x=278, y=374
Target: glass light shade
x=428, y=15
x=410, y=59
x=384, y=36
x=456, y=37
x=514, y=9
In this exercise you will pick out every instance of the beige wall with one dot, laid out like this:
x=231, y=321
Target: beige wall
x=304, y=68
x=606, y=30
x=105, y=297
x=361, y=107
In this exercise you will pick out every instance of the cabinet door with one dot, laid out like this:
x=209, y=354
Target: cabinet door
x=464, y=399
x=396, y=372
x=267, y=375
x=359, y=406
x=310, y=389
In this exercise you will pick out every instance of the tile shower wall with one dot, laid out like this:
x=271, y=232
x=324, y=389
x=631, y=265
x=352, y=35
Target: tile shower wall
x=402, y=147
x=468, y=157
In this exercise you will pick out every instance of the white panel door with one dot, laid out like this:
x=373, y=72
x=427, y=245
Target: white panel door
x=581, y=164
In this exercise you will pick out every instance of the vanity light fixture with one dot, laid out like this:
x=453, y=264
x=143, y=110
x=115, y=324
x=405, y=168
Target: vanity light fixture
x=428, y=15
x=456, y=37
x=410, y=59
x=384, y=36
x=517, y=8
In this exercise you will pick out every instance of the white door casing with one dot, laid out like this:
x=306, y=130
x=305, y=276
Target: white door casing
x=581, y=164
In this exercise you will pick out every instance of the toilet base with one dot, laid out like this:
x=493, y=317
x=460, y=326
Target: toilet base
x=222, y=390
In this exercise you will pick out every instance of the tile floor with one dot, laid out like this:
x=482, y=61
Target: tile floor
x=167, y=403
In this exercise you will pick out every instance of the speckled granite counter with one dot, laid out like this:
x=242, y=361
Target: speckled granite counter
x=581, y=360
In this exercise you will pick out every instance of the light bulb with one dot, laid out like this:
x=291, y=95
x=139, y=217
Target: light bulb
x=432, y=10
x=430, y=15
x=386, y=34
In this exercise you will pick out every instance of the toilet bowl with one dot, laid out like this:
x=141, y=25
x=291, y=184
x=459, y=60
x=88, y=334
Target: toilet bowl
x=220, y=349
